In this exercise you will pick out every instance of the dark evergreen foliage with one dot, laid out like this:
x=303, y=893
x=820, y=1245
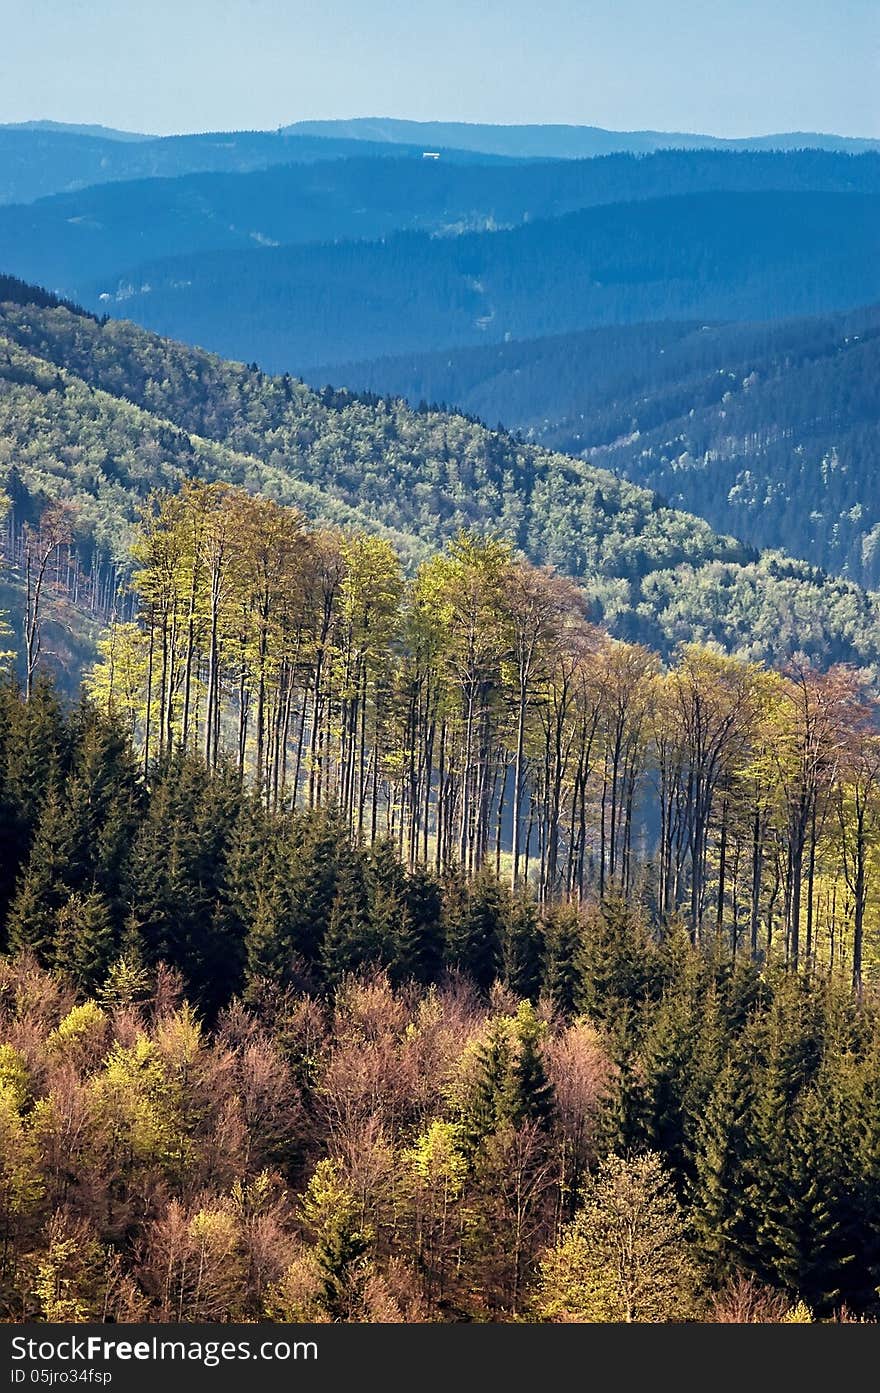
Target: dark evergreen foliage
x=759, y=1088
x=767, y=430
x=98, y=236
x=707, y=255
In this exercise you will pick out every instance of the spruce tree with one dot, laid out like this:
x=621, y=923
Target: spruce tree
x=127, y=982
x=528, y=1092
x=419, y=954
x=38, y=752
x=672, y=1077
x=866, y=1159
x=31, y=923
x=385, y=885
x=620, y=966
x=317, y=842
x=85, y=940
x=14, y=828
x=43, y=887
x=485, y=1108
x=351, y=941
x=341, y=1242
x=475, y=925
x=720, y=1224
x=105, y=802
x=268, y=944
x=178, y=879
x=563, y=964
x=521, y=950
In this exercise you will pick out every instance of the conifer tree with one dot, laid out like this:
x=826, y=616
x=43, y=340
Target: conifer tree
x=43, y=887
x=529, y=1093
x=104, y=801
x=385, y=885
x=311, y=869
x=85, y=939
x=563, y=964
x=720, y=1143
x=330, y=1211
x=38, y=752
x=521, y=948
x=485, y=1107
x=618, y=966
x=474, y=928
x=420, y=946
x=351, y=941
x=269, y=954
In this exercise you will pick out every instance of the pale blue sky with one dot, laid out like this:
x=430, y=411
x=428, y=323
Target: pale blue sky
x=737, y=67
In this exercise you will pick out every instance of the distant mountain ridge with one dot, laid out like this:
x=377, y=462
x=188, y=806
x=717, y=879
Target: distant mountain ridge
x=565, y=141
x=40, y=160
x=101, y=413
x=710, y=255
x=769, y=430
x=70, y=128
x=69, y=241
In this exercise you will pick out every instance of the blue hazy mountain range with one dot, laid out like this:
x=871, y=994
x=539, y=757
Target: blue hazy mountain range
x=769, y=430
x=564, y=142
x=708, y=256
x=104, y=232
x=41, y=159
x=38, y=158
x=691, y=318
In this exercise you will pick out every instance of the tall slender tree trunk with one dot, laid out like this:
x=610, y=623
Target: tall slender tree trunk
x=755, y=899
x=518, y=780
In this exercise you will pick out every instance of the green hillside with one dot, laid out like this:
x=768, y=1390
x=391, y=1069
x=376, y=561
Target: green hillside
x=101, y=413
x=768, y=430
x=705, y=255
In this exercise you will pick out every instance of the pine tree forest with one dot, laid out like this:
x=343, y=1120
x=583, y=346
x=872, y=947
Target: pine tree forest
x=386, y=944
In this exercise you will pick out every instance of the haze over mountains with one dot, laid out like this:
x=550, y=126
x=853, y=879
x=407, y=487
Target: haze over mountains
x=99, y=414
x=38, y=158
x=74, y=242
x=43, y=159
x=564, y=142
x=768, y=430
x=693, y=318
x=709, y=255
x=71, y=128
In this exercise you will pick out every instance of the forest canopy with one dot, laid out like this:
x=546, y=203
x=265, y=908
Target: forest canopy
x=100, y=414
x=384, y=936
x=768, y=430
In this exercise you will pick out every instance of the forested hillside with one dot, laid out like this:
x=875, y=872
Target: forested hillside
x=99, y=414
x=549, y=141
x=73, y=240
x=411, y=922
x=478, y=697
x=770, y=431
x=712, y=255
x=253, y=1068
x=37, y=161
x=40, y=158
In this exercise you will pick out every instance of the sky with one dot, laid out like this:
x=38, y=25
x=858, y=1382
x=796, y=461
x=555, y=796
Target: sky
x=724, y=67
